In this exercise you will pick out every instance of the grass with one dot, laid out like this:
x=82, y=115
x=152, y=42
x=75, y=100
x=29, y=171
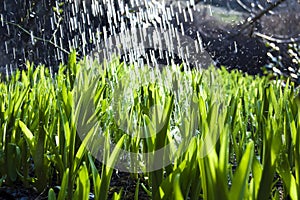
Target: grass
x=222, y=135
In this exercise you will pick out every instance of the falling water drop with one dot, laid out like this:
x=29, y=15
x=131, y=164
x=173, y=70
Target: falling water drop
x=61, y=31
x=8, y=29
x=76, y=6
x=179, y=7
x=2, y=20
x=6, y=71
x=210, y=10
x=192, y=2
x=177, y=18
x=83, y=18
x=184, y=15
x=196, y=46
x=6, y=49
x=14, y=52
x=37, y=53
x=187, y=52
x=235, y=47
x=200, y=42
x=191, y=14
x=182, y=29
x=4, y=5
x=52, y=23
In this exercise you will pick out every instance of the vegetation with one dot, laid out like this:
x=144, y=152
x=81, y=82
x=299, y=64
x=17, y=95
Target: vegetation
x=254, y=122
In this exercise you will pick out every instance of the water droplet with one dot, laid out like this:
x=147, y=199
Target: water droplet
x=83, y=18
x=32, y=15
x=210, y=10
x=177, y=18
x=14, y=53
x=191, y=14
x=4, y=5
x=179, y=7
x=182, y=29
x=52, y=23
x=76, y=7
x=2, y=19
x=6, y=49
x=235, y=47
x=8, y=29
x=184, y=15
x=196, y=46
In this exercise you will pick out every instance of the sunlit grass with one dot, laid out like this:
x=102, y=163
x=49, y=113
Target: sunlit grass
x=252, y=124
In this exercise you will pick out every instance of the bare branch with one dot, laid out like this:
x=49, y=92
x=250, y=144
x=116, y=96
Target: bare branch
x=36, y=37
x=277, y=40
x=251, y=20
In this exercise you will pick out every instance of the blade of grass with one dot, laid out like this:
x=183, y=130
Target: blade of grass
x=241, y=176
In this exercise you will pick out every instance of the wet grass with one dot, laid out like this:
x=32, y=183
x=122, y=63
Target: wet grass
x=231, y=136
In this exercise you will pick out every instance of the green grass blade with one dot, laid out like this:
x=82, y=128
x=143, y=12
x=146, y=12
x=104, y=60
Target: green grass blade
x=241, y=176
x=64, y=186
x=177, y=190
x=51, y=194
x=96, y=178
x=136, y=193
x=28, y=136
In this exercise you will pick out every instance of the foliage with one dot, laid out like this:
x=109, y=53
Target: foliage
x=257, y=121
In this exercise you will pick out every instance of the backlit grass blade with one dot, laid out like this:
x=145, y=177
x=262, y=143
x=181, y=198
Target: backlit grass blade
x=288, y=178
x=96, y=178
x=13, y=158
x=160, y=141
x=36, y=146
x=241, y=176
x=108, y=167
x=257, y=174
x=28, y=135
x=118, y=196
x=82, y=184
x=51, y=194
x=177, y=191
x=136, y=193
x=63, y=192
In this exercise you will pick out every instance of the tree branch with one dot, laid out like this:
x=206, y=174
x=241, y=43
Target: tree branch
x=251, y=20
x=277, y=40
x=36, y=37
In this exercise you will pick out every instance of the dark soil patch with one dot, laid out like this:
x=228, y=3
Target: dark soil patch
x=128, y=183
x=18, y=192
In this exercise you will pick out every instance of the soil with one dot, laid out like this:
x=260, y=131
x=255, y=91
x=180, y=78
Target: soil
x=119, y=181
x=18, y=192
